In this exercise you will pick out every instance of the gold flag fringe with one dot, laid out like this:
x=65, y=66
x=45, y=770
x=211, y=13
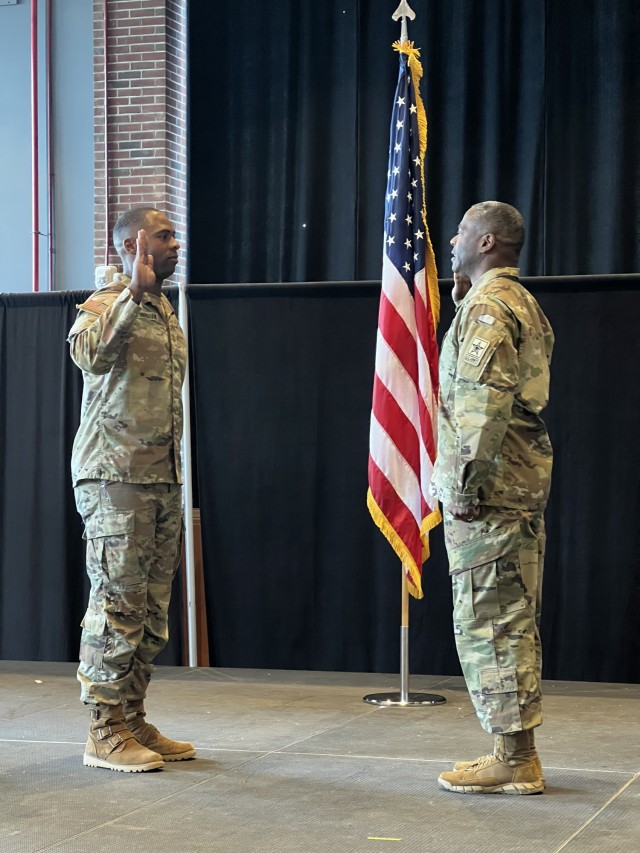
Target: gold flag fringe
x=414, y=575
x=407, y=47
x=432, y=520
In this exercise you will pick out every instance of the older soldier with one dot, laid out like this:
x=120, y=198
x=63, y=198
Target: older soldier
x=492, y=475
x=126, y=473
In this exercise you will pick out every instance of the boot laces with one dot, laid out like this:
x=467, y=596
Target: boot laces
x=484, y=761
x=481, y=762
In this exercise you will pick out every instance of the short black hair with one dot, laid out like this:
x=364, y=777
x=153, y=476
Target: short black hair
x=502, y=220
x=128, y=224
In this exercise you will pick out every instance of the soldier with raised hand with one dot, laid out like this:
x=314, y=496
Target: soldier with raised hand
x=126, y=471
x=492, y=475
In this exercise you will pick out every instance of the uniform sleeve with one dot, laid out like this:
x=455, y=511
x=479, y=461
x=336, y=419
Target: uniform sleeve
x=486, y=381
x=101, y=329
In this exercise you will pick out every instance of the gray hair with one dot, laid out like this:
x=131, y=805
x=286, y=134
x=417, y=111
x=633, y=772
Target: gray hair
x=502, y=220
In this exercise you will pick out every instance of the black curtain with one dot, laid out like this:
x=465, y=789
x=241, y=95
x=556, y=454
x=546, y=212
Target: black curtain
x=592, y=137
x=591, y=590
x=535, y=103
x=42, y=592
x=296, y=574
x=43, y=585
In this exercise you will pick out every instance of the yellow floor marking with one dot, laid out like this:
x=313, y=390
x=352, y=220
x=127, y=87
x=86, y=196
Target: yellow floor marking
x=380, y=838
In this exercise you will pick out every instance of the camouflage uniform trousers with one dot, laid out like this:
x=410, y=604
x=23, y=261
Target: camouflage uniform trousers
x=497, y=567
x=134, y=536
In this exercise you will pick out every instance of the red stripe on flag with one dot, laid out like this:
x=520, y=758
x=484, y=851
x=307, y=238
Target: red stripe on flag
x=396, y=424
x=395, y=332
x=396, y=512
x=426, y=429
x=425, y=326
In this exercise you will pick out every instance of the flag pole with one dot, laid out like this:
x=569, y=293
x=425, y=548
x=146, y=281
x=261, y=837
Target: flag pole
x=187, y=490
x=404, y=640
x=404, y=698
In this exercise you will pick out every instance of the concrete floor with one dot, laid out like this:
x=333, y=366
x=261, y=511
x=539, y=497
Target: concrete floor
x=296, y=762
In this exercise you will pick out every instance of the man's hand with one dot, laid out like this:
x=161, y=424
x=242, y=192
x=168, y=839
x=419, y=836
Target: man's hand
x=465, y=513
x=461, y=286
x=143, y=278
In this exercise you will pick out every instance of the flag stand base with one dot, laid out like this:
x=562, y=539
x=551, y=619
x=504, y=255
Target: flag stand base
x=410, y=699
x=403, y=697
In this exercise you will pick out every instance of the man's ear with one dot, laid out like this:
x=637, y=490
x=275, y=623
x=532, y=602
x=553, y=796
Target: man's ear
x=487, y=243
x=129, y=245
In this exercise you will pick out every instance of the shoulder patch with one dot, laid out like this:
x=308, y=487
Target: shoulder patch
x=94, y=306
x=487, y=319
x=476, y=350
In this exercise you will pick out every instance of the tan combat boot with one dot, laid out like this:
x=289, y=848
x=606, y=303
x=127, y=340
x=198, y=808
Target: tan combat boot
x=464, y=765
x=149, y=736
x=112, y=746
x=514, y=768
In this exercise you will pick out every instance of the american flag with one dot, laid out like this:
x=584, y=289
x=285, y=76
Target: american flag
x=405, y=391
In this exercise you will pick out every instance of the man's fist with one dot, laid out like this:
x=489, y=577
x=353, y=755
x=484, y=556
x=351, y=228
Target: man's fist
x=465, y=513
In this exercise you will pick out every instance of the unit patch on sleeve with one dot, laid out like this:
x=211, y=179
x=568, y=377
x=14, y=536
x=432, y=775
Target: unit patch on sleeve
x=476, y=351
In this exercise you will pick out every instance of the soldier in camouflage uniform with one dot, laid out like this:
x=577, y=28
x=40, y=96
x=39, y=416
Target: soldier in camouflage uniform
x=127, y=475
x=492, y=475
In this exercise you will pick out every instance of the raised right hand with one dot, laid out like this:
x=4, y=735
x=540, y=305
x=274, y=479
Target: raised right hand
x=143, y=278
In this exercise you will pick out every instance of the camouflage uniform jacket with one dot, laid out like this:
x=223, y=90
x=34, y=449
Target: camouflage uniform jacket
x=133, y=360
x=493, y=446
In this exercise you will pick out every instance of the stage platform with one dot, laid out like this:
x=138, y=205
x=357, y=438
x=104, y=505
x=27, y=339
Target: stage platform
x=296, y=762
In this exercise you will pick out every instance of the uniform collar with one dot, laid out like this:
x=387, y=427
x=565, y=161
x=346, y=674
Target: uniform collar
x=496, y=272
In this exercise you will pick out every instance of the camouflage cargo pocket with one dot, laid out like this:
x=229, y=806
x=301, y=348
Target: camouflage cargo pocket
x=110, y=523
x=476, y=593
x=498, y=680
x=476, y=543
x=111, y=546
x=489, y=591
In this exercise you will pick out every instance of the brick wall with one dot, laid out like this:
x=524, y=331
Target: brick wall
x=146, y=114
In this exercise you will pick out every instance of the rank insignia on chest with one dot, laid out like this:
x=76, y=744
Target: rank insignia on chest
x=476, y=351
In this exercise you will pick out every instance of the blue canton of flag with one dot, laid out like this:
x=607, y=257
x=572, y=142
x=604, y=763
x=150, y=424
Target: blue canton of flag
x=404, y=231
